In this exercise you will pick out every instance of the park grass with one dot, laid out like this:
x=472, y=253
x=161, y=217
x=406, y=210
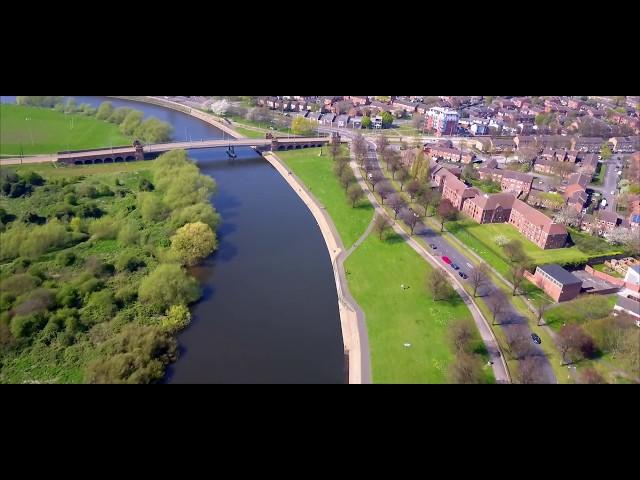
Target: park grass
x=317, y=174
x=48, y=131
x=53, y=170
x=395, y=317
x=481, y=240
x=580, y=311
x=249, y=133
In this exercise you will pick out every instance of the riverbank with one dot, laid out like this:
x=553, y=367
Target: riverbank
x=351, y=315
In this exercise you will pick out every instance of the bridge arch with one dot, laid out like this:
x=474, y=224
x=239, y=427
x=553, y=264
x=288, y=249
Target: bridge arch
x=119, y=159
x=130, y=158
x=88, y=162
x=282, y=147
x=98, y=160
x=298, y=147
x=289, y=147
x=78, y=162
x=108, y=160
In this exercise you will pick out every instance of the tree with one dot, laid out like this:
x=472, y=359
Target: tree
x=381, y=225
x=131, y=122
x=396, y=203
x=446, y=212
x=220, y=108
x=411, y=218
x=528, y=370
x=105, y=110
x=193, y=242
x=347, y=178
x=302, y=126
x=366, y=122
x=461, y=334
x=606, y=152
x=413, y=188
x=497, y=303
x=417, y=121
x=359, y=148
x=479, y=277
x=334, y=150
x=574, y=344
x=466, y=370
x=514, y=251
x=439, y=286
x=382, y=143
x=568, y=216
x=541, y=306
x=375, y=178
x=168, y=285
x=385, y=191
x=387, y=119
x=403, y=177
x=516, y=276
x=355, y=194
x=519, y=344
x=177, y=318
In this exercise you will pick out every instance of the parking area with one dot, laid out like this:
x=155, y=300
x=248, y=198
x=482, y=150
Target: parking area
x=594, y=285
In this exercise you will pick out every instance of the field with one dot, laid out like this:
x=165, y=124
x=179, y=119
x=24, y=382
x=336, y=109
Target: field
x=396, y=317
x=481, y=239
x=317, y=174
x=580, y=311
x=53, y=170
x=39, y=131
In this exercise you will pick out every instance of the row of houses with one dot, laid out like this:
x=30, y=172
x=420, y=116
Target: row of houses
x=500, y=208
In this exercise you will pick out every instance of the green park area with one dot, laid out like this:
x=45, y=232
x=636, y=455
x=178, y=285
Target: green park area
x=407, y=329
x=36, y=130
x=481, y=239
x=580, y=311
x=93, y=279
x=317, y=174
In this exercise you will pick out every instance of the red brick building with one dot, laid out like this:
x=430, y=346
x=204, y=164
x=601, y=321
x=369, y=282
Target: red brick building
x=537, y=227
x=558, y=283
x=509, y=181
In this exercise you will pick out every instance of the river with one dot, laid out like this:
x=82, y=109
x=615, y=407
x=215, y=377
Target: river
x=269, y=313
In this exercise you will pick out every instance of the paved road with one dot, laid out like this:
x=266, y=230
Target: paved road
x=512, y=323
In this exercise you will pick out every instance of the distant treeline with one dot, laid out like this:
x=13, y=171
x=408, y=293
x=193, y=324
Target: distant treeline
x=130, y=121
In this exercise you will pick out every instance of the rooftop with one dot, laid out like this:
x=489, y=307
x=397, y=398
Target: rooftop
x=558, y=273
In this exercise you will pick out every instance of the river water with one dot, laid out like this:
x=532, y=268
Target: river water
x=270, y=311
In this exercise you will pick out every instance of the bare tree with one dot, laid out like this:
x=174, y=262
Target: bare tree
x=446, y=212
x=381, y=225
x=461, y=334
x=334, y=150
x=514, y=251
x=439, y=286
x=411, y=218
x=574, y=344
x=359, y=148
x=413, y=188
x=385, y=192
x=466, y=369
x=528, y=370
x=541, y=306
x=497, y=303
x=396, y=203
x=516, y=276
x=403, y=176
x=479, y=277
x=355, y=194
x=374, y=177
x=382, y=142
x=347, y=179
x=519, y=345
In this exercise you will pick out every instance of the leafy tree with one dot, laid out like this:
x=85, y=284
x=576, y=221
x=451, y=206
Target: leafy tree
x=387, y=119
x=177, y=318
x=168, y=285
x=131, y=122
x=200, y=212
x=355, y=194
x=366, y=122
x=118, y=115
x=193, y=243
x=105, y=110
x=302, y=126
x=446, y=212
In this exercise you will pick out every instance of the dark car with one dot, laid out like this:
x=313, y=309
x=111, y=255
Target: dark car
x=434, y=247
x=463, y=275
x=455, y=267
x=536, y=339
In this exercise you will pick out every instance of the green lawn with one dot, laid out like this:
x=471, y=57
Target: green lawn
x=39, y=131
x=317, y=174
x=249, y=133
x=53, y=170
x=580, y=310
x=396, y=317
x=481, y=239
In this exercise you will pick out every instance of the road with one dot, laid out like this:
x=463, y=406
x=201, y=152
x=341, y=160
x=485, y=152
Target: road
x=512, y=323
x=611, y=183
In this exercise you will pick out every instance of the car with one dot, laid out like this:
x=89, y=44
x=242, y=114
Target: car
x=434, y=246
x=463, y=275
x=536, y=339
x=447, y=260
x=613, y=193
x=455, y=267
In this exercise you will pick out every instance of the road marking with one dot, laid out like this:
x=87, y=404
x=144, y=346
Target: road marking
x=469, y=265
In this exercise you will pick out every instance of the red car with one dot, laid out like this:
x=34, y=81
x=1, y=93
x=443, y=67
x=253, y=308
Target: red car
x=447, y=260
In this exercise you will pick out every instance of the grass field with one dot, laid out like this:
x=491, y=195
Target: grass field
x=481, y=239
x=248, y=132
x=53, y=170
x=39, y=130
x=580, y=310
x=396, y=317
x=317, y=174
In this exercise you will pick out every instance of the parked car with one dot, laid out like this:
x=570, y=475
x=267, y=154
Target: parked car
x=455, y=267
x=536, y=339
x=433, y=246
x=447, y=260
x=463, y=275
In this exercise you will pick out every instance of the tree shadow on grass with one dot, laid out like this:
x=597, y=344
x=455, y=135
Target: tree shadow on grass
x=393, y=239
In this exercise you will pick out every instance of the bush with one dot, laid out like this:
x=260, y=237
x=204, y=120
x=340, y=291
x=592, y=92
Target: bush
x=200, y=212
x=66, y=259
x=126, y=295
x=68, y=296
x=119, y=114
x=145, y=185
x=193, y=243
x=177, y=318
x=90, y=285
x=88, y=210
x=100, y=308
x=137, y=355
x=26, y=326
x=168, y=285
x=37, y=301
x=105, y=228
x=19, y=284
x=129, y=262
x=129, y=235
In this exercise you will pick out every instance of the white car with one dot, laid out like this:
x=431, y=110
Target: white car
x=613, y=193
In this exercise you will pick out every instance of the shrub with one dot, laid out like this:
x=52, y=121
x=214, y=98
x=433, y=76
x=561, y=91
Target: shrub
x=68, y=296
x=26, y=326
x=152, y=208
x=105, y=228
x=145, y=185
x=37, y=301
x=129, y=234
x=19, y=284
x=193, y=243
x=101, y=307
x=177, y=318
x=200, y=212
x=66, y=259
x=129, y=262
x=168, y=285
